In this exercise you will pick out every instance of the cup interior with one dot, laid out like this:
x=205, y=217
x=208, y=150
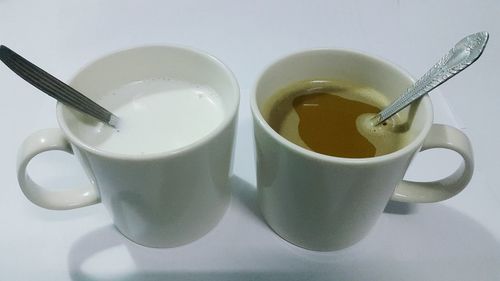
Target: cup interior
x=325, y=64
x=144, y=63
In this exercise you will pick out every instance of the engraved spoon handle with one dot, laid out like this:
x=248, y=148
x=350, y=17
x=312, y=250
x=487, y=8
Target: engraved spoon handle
x=463, y=54
x=55, y=87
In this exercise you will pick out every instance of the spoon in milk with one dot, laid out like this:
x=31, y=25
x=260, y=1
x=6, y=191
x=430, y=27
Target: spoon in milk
x=463, y=54
x=55, y=87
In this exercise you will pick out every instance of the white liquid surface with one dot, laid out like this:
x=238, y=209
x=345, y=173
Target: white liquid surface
x=158, y=115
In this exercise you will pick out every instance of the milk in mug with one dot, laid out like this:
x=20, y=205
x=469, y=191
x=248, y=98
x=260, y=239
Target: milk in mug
x=158, y=115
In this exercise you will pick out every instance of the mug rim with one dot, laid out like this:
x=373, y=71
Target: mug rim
x=410, y=147
x=229, y=116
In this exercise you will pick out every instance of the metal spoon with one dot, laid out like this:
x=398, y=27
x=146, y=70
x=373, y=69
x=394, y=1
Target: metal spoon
x=55, y=87
x=463, y=54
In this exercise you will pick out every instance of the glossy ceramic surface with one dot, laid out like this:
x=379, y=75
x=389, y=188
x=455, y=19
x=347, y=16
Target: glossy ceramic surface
x=327, y=203
x=164, y=199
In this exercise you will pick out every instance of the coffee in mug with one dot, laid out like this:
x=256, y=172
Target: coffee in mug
x=321, y=202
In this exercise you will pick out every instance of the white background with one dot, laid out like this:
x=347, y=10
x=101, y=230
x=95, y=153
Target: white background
x=458, y=239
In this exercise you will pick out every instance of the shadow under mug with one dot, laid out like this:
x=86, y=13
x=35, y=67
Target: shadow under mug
x=322, y=202
x=162, y=199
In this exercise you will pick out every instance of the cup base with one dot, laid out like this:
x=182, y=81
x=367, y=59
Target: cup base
x=152, y=241
x=316, y=248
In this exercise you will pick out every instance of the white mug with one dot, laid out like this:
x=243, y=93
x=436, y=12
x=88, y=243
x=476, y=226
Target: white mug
x=325, y=203
x=162, y=199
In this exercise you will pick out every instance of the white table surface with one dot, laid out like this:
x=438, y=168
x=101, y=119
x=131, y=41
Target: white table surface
x=458, y=239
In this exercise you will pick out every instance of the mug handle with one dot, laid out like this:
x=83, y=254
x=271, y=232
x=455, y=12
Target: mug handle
x=440, y=136
x=46, y=140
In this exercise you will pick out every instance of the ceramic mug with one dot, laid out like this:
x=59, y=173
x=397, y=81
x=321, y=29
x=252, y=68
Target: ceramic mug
x=322, y=202
x=162, y=199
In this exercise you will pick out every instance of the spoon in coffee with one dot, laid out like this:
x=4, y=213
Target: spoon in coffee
x=463, y=54
x=55, y=87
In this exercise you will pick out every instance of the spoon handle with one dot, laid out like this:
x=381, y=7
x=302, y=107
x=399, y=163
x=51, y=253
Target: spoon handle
x=463, y=54
x=54, y=87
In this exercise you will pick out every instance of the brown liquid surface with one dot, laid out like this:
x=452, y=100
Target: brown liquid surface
x=333, y=118
x=328, y=125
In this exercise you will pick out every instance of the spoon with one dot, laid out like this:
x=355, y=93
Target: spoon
x=55, y=87
x=463, y=54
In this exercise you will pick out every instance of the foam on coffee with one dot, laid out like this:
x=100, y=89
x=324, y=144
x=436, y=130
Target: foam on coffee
x=283, y=112
x=156, y=115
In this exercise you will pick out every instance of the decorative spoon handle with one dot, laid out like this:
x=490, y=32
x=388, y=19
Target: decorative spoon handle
x=463, y=54
x=54, y=87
